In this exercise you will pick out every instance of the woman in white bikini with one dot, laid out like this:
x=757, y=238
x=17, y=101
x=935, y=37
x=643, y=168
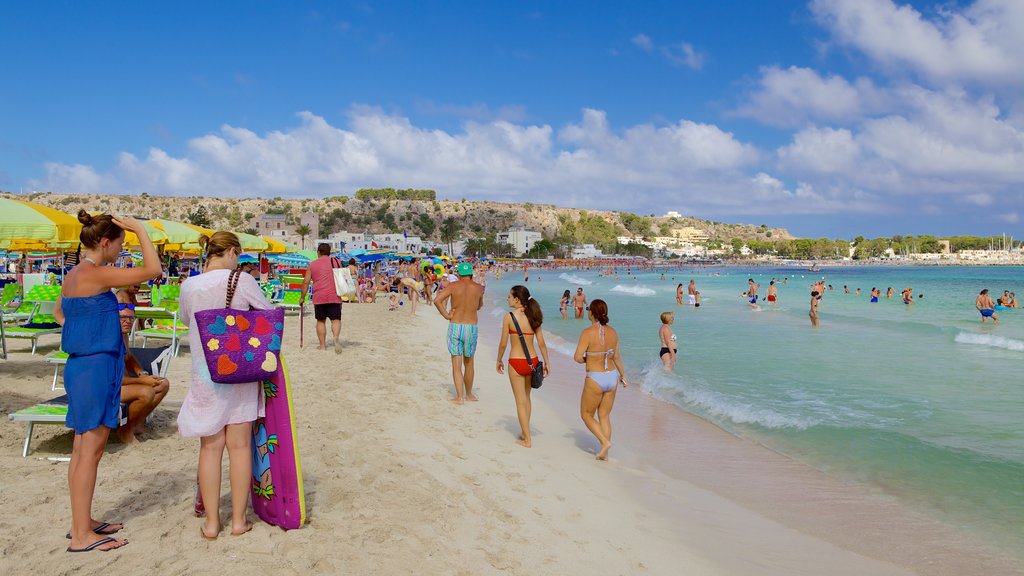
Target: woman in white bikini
x=598, y=349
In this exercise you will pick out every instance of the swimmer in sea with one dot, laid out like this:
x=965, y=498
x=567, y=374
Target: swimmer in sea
x=772, y=292
x=563, y=304
x=875, y=293
x=679, y=294
x=579, y=303
x=908, y=295
x=751, y=294
x=985, y=306
x=691, y=293
x=889, y=293
x=669, y=351
x=815, y=296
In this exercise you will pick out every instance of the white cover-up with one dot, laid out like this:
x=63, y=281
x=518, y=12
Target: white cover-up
x=209, y=406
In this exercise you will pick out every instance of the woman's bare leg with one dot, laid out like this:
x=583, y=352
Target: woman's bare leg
x=86, y=452
x=604, y=414
x=211, y=455
x=240, y=474
x=521, y=392
x=589, y=403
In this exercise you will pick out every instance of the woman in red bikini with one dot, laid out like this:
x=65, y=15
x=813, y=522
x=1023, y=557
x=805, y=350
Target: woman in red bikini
x=527, y=314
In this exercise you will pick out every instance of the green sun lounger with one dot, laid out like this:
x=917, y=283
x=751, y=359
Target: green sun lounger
x=44, y=298
x=55, y=410
x=165, y=325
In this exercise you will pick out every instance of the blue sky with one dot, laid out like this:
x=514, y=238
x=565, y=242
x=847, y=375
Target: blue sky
x=830, y=117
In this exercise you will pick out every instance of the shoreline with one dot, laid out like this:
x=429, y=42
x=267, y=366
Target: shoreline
x=399, y=480
x=662, y=441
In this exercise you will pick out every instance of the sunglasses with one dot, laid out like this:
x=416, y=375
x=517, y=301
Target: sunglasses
x=125, y=306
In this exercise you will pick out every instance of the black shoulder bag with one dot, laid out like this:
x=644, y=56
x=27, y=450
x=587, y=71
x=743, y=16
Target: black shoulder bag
x=537, y=376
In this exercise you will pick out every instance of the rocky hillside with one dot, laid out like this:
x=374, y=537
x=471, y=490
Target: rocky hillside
x=421, y=217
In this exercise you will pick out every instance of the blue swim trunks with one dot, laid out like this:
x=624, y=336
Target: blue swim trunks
x=987, y=313
x=874, y=298
x=753, y=299
x=462, y=339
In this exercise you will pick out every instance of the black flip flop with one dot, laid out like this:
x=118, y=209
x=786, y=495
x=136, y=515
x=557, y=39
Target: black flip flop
x=96, y=545
x=101, y=530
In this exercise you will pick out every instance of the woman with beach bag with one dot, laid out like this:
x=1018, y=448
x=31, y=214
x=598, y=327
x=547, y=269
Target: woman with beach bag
x=526, y=370
x=221, y=415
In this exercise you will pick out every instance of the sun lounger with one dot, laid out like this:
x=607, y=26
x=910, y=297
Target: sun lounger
x=166, y=325
x=55, y=410
x=41, y=322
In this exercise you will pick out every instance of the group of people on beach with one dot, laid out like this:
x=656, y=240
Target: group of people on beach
x=522, y=335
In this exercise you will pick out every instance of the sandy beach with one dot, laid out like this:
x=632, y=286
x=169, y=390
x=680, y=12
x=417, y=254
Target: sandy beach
x=398, y=480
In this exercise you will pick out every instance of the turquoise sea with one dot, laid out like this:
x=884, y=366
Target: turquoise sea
x=920, y=402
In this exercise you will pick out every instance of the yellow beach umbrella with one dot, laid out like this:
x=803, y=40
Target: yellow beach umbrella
x=27, y=223
x=251, y=242
x=275, y=246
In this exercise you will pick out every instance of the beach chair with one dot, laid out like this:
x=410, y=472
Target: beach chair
x=165, y=325
x=41, y=322
x=55, y=410
x=58, y=359
x=290, y=300
x=11, y=291
x=166, y=293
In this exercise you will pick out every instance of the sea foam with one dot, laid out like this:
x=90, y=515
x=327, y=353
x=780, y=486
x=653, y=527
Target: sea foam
x=990, y=341
x=574, y=279
x=634, y=290
x=719, y=407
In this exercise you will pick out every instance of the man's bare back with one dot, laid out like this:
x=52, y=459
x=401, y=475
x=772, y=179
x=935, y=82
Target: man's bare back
x=467, y=297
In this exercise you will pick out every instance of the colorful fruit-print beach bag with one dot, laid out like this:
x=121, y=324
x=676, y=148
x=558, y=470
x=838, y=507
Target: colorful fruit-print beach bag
x=240, y=345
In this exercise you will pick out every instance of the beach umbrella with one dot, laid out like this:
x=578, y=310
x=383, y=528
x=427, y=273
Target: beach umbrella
x=29, y=224
x=158, y=236
x=252, y=243
x=276, y=246
x=310, y=254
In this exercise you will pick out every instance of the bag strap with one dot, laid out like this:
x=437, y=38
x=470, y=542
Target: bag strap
x=333, y=260
x=232, y=285
x=522, y=339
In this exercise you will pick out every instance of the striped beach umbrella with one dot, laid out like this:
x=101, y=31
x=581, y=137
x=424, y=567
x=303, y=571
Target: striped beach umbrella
x=26, y=225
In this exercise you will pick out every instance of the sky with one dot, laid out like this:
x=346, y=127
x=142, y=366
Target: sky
x=833, y=118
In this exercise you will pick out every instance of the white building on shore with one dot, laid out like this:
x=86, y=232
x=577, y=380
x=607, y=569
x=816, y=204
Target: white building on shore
x=521, y=239
x=586, y=251
x=349, y=241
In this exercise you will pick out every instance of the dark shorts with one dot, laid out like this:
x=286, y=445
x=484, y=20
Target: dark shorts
x=324, y=311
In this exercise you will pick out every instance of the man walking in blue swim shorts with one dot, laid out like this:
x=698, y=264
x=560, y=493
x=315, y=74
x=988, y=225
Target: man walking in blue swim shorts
x=466, y=297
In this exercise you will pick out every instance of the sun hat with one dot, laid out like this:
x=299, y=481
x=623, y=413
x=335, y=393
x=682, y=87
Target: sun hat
x=465, y=269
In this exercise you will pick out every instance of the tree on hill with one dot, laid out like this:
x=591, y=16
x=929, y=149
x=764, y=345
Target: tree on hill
x=200, y=217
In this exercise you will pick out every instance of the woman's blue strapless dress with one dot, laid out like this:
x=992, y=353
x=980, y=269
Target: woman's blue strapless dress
x=92, y=338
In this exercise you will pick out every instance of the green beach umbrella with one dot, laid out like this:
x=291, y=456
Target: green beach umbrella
x=29, y=225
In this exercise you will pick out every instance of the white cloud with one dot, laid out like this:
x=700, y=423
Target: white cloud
x=684, y=54
x=821, y=151
x=643, y=41
x=982, y=42
x=677, y=54
x=795, y=96
x=587, y=163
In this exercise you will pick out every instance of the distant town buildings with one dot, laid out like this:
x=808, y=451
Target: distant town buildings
x=586, y=251
x=349, y=241
x=672, y=214
x=277, y=227
x=521, y=239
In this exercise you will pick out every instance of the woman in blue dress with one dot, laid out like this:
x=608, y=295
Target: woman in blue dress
x=92, y=338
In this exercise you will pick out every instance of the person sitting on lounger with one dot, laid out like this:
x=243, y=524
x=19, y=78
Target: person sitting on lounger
x=142, y=391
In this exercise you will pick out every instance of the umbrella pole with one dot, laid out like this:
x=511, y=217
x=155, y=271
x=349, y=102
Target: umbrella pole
x=302, y=315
